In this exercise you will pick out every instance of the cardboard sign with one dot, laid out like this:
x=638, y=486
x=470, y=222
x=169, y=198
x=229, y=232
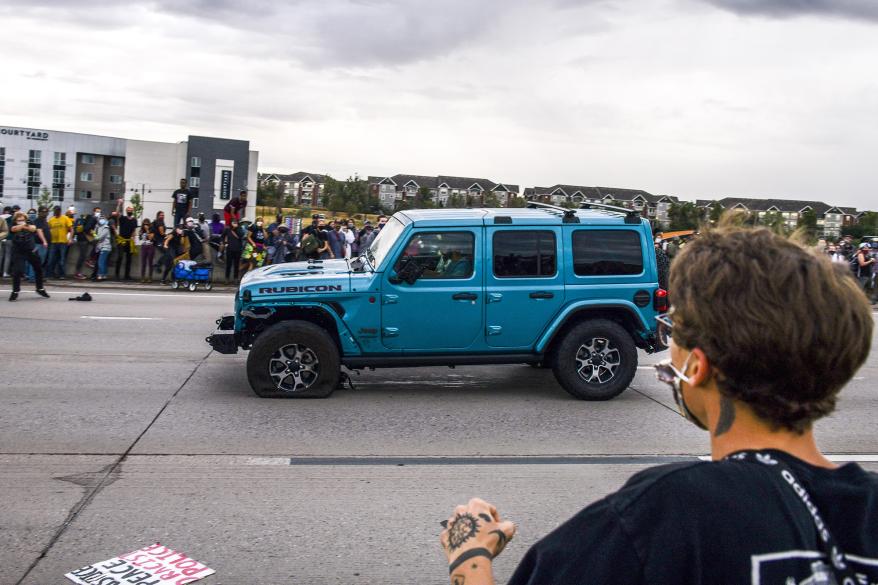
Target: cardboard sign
x=152, y=565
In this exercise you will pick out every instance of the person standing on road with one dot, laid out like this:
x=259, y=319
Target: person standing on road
x=864, y=265
x=232, y=246
x=755, y=373
x=23, y=249
x=235, y=207
x=196, y=241
x=145, y=240
x=5, y=241
x=38, y=218
x=182, y=200
x=125, y=241
x=159, y=233
x=60, y=236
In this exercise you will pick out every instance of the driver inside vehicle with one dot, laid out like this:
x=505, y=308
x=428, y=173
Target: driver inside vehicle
x=452, y=265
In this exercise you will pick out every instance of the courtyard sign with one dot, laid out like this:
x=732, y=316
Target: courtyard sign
x=29, y=134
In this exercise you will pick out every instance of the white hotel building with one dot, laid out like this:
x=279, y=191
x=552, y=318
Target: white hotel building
x=88, y=171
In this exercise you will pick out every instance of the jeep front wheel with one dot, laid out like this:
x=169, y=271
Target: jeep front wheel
x=293, y=359
x=595, y=360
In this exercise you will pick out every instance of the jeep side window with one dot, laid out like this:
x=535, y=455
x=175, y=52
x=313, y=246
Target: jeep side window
x=607, y=252
x=520, y=254
x=442, y=255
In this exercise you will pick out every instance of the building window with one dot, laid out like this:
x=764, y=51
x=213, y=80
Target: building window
x=57, y=194
x=60, y=159
x=2, y=154
x=35, y=156
x=195, y=203
x=196, y=162
x=33, y=175
x=116, y=179
x=32, y=191
x=116, y=161
x=194, y=182
x=57, y=177
x=87, y=177
x=88, y=159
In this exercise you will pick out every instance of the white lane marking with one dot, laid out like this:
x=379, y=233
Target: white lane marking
x=837, y=457
x=645, y=367
x=175, y=295
x=122, y=318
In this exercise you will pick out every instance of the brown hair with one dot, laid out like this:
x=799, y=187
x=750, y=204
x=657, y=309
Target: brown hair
x=784, y=327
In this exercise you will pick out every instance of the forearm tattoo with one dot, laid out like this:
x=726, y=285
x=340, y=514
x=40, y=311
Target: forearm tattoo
x=462, y=529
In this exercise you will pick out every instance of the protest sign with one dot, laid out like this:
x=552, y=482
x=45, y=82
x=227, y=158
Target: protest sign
x=152, y=565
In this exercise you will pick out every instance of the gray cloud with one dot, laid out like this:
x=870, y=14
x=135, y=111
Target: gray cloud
x=852, y=9
x=318, y=33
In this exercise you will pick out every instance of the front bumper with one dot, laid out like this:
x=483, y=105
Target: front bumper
x=223, y=339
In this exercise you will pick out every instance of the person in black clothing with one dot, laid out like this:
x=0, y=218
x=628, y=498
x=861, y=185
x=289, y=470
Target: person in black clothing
x=175, y=246
x=196, y=241
x=756, y=373
x=233, y=239
x=663, y=266
x=83, y=232
x=24, y=252
x=182, y=199
x=127, y=225
x=159, y=233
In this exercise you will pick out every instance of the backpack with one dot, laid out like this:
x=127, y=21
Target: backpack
x=310, y=244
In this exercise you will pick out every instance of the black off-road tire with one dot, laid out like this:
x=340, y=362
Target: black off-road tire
x=576, y=349
x=295, y=334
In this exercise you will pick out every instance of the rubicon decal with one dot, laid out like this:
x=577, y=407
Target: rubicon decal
x=276, y=290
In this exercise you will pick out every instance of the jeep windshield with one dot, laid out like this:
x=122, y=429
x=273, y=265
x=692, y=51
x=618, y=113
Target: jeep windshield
x=384, y=242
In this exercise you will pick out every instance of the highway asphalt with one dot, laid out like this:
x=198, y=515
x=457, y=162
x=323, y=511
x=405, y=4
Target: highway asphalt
x=119, y=428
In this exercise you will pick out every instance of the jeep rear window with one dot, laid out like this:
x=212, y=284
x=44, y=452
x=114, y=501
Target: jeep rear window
x=606, y=252
x=524, y=253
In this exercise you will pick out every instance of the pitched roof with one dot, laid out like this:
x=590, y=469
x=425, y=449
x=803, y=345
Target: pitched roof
x=617, y=193
x=296, y=177
x=782, y=205
x=451, y=181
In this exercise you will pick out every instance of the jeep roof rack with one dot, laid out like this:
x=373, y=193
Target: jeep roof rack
x=569, y=214
x=631, y=215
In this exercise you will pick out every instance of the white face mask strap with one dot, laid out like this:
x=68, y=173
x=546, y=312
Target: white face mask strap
x=682, y=373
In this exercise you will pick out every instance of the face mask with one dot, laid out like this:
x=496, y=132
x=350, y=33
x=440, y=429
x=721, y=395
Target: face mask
x=20, y=222
x=667, y=373
x=129, y=213
x=102, y=222
x=97, y=213
x=258, y=224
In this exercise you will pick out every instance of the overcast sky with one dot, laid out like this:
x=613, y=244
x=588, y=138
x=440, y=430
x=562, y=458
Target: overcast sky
x=696, y=98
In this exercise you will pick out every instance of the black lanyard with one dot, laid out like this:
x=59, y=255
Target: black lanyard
x=826, y=543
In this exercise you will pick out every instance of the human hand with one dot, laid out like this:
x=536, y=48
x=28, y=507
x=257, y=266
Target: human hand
x=474, y=530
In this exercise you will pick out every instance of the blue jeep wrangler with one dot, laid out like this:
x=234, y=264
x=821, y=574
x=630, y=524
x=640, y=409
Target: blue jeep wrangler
x=574, y=290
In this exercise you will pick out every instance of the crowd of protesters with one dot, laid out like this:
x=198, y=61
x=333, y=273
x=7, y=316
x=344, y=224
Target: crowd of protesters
x=862, y=258
x=35, y=245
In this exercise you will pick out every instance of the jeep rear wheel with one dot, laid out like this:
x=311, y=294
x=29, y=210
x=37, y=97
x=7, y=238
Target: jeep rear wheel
x=596, y=360
x=293, y=359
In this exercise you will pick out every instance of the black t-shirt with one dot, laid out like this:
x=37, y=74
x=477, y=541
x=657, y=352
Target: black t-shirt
x=196, y=248
x=233, y=243
x=127, y=225
x=175, y=244
x=88, y=224
x=181, y=201
x=732, y=522
x=158, y=229
x=257, y=234
x=24, y=241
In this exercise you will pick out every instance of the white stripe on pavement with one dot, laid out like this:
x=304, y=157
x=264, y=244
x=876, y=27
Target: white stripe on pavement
x=122, y=318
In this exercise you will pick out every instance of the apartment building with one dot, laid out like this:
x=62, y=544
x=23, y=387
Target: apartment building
x=654, y=207
x=302, y=188
x=830, y=218
x=445, y=190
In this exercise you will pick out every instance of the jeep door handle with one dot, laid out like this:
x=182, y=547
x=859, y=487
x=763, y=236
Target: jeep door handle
x=542, y=295
x=465, y=296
